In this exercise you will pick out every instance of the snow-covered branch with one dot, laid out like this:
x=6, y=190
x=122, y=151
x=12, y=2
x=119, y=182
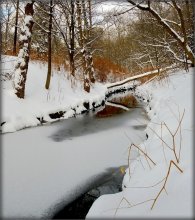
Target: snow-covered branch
x=181, y=40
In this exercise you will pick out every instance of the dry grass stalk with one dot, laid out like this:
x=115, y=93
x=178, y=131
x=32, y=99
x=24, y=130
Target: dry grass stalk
x=156, y=198
x=155, y=123
x=129, y=162
x=146, y=155
x=171, y=163
x=159, y=193
x=163, y=143
x=180, y=139
x=173, y=137
x=160, y=137
x=145, y=187
x=123, y=199
x=130, y=205
x=166, y=178
x=178, y=119
x=173, y=148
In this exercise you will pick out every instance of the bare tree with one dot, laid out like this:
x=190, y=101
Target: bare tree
x=84, y=29
x=89, y=37
x=65, y=23
x=49, y=46
x=6, y=17
x=180, y=38
x=16, y=28
x=72, y=37
x=81, y=40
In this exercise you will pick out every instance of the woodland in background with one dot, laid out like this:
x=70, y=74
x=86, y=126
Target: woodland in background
x=102, y=47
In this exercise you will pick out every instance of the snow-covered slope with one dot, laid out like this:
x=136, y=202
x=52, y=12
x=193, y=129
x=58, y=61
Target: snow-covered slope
x=39, y=102
x=170, y=100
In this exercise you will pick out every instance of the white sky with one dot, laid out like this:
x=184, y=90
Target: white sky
x=108, y=6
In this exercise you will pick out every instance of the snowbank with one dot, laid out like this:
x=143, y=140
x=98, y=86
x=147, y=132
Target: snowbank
x=39, y=103
x=169, y=101
x=47, y=167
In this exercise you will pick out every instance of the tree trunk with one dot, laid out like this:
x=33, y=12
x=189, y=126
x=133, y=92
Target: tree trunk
x=82, y=48
x=16, y=28
x=21, y=67
x=72, y=39
x=49, y=48
x=6, y=33
x=181, y=40
x=7, y=26
x=91, y=66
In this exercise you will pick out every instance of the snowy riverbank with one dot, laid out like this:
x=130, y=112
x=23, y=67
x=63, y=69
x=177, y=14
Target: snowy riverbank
x=171, y=112
x=47, y=167
x=41, y=105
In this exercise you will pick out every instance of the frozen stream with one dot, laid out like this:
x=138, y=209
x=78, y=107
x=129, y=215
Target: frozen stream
x=46, y=167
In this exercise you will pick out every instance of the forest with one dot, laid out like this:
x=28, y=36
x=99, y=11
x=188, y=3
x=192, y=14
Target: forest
x=95, y=45
x=97, y=108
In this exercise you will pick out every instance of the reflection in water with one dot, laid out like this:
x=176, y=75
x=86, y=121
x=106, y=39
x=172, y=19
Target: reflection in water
x=126, y=100
x=109, y=111
x=84, y=124
x=93, y=122
x=118, y=112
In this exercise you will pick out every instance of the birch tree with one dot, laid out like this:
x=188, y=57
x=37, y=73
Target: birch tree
x=21, y=67
x=84, y=39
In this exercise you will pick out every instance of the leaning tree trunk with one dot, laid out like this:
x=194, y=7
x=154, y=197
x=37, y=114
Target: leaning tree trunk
x=21, y=67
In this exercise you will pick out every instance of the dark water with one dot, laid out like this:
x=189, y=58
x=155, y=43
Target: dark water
x=114, y=113
x=108, y=182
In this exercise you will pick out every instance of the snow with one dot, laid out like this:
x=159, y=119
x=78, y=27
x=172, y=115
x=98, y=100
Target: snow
x=31, y=170
x=47, y=166
x=39, y=102
x=23, y=52
x=169, y=99
x=110, y=85
x=117, y=105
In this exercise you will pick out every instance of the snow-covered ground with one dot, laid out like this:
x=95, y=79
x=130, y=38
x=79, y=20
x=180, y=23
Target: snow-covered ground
x=49, y=165
x=169, y=102
x=39, y=172
x=39, y=102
